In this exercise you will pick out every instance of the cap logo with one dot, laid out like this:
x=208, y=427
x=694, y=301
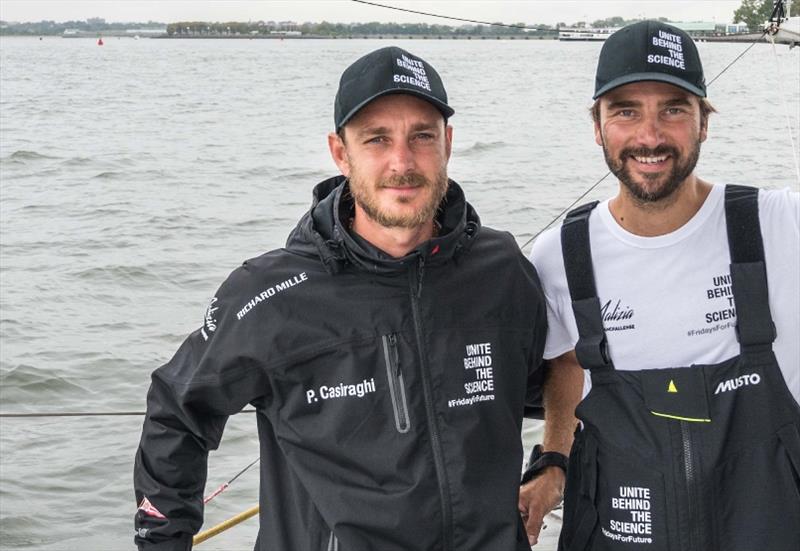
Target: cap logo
x=419, y=78
x=674, y=48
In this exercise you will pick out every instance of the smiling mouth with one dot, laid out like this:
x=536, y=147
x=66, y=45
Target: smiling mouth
x=650, y=160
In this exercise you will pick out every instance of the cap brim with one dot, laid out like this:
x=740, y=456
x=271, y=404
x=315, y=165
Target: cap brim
x=443, y=108
x=640, y=77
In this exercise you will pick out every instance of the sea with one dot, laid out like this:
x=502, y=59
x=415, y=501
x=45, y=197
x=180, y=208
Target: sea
x=134, y=176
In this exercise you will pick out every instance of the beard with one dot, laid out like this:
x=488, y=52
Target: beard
x=364, y=195
x=656, y=186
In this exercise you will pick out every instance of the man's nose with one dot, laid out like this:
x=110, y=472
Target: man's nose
x=648, y=132
x=402, y=158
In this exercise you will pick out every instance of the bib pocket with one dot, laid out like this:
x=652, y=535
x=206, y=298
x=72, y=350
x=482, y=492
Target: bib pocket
x=619, y=503
x=760, y=512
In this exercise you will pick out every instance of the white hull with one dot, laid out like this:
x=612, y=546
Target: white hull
x=590, y=35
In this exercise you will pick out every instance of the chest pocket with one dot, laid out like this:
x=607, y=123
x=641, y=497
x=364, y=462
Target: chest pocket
x=356, y=391
x=396, y=382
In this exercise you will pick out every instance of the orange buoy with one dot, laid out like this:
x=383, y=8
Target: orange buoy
x=99, y=41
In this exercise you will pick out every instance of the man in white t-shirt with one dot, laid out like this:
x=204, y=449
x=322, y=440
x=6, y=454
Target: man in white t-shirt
x=685, y=321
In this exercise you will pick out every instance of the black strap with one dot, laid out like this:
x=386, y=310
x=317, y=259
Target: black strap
x=754, y=327
x=540, y=460
x=592, y=347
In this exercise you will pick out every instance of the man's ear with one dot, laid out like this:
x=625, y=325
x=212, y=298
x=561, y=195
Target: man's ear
x=598, y=133
x=703, y=128
x=448, y=135
x=338, y=151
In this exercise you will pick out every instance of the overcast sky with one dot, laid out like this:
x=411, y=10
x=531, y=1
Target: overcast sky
x=506, y=11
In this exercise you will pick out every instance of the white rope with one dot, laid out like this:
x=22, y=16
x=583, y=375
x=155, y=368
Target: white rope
x=785, y=108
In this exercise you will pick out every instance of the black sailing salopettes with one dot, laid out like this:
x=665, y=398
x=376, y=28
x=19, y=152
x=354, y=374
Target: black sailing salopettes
x=684, y=459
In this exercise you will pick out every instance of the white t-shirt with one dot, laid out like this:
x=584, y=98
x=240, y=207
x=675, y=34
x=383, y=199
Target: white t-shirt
x=667, y=300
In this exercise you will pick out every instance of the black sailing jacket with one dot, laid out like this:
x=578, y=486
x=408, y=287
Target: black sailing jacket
x=389, y=392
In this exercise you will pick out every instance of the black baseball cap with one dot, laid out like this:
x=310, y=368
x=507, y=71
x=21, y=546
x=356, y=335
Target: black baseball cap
x=389, y=70
x=649, y=50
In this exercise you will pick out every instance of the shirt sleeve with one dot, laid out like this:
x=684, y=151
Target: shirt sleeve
x=213, y=375
x=562, y=333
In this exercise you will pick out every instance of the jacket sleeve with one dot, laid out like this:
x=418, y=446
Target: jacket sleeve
x=214, y=374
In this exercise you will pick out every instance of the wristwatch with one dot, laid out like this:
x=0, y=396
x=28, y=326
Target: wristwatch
x=540, y=459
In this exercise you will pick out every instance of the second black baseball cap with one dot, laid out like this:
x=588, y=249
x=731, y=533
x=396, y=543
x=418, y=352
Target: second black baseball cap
x=389, y=70
x=649, y=50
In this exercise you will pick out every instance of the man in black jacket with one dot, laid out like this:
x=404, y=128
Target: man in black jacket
x=389, y=350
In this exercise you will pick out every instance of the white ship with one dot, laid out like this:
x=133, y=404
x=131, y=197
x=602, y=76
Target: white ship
x=593, y=35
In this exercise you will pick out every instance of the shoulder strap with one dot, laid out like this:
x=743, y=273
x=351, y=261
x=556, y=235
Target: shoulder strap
x=754, y=327
x=592, y=347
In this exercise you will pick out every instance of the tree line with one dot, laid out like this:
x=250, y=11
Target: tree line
x=325, y=28
x=93, y=24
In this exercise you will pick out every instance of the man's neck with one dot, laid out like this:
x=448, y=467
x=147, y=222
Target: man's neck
x=663, y=216
x=396, y=242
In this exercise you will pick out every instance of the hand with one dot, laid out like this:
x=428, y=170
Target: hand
x=538, y=497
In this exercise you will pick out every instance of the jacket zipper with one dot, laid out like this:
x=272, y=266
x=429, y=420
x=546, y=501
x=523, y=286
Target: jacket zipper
x=695, y=537
x=396, y=386
x=333, y=543
x=415, y=282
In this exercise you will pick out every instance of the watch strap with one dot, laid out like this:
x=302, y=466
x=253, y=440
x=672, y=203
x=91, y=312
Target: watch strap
x=540, y=460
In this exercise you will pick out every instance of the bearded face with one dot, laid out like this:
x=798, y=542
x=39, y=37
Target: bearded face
x=394, y=153
x=402, y=201
x=651, y=134
x=649, y=187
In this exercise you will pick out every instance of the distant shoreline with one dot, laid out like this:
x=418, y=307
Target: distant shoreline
x=387, y=36
x=739, y=38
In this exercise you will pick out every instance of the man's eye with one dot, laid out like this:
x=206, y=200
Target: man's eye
x=424, y=137
x=674, y=110
x=625, y=112
x=377, y=140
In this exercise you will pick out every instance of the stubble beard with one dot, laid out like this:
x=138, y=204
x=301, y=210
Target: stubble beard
x=670, y=182
x=363, y=193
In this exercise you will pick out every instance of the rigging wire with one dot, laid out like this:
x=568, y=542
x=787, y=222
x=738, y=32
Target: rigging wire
x=787, y=116
x=756, y=41
x=496, y=24
x=225, y=485
x=88, y=413
x=563, y=212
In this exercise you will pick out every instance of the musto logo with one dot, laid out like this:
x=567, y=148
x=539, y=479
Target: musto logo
x=736, y=382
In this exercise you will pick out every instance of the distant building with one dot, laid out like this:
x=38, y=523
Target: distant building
x=697, y=28
x=736, y=28
x=288, y=25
